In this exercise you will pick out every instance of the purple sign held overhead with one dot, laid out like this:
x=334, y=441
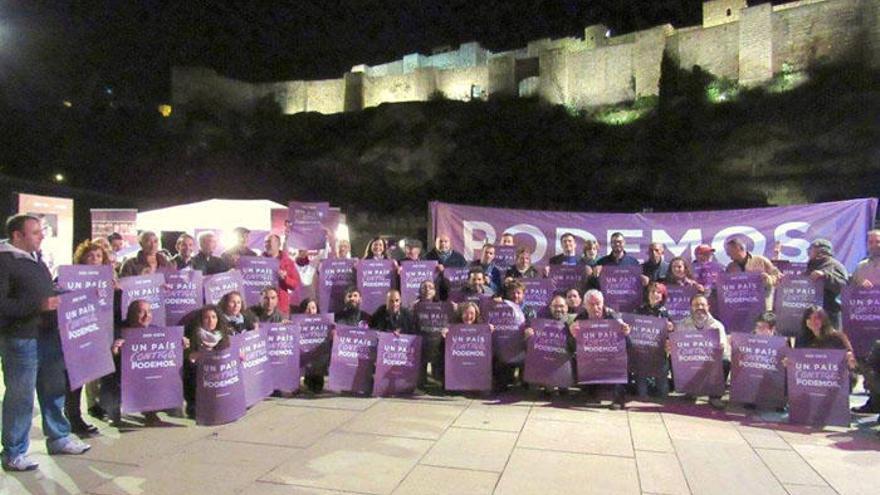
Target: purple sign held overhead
x=622, y=287
x=697, y=362
x=374, y=279
x=255, y=370
x=306, y=225
x=352, y=359
x=150, y=366
x=314, y=341
x=85, y=329
x=706, y=274
x=412, y=274
x=150, y=288
x=538, y=292
x=81, y=277
x=219, y=385
x=468, y=358
x=566, y=277
x=601, y=352
x=282, y=347
x=678, y=301
x=740, y=300
x=647, y=352
x=398, y=363
x=505, y=257
x=548, y=362
x=508, y=341
x=217, y=286
x=335, y=276
x=792, y=296
x=861, y=318
x=818, y=387
x=257, y=273
x=757, y=375
x=183, y=296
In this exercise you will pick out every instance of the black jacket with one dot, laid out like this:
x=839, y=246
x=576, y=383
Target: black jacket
x=384, y=321
x=209, y=265
x=24, y=284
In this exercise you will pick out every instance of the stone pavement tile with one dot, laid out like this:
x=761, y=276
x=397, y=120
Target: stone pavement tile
x=500, y=418
x=352, y=462
x=549, y=473
x=431, y=480
x=790, y=468
x=471, y=449
x=149, y=483
x=810, y=490
x=62, y=475
x=595, y=416
x=405, y=419
x=702, y=429
x=650, y=435
x=290, y=426
x=330, y=402
x=724, y=468
x=263, y=488
x=576, y=437
x=763, y=438
x=847, y=471
x=139, y=445
x=661, y=473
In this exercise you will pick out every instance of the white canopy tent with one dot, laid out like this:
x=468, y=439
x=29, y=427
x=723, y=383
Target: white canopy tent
x=221, y=214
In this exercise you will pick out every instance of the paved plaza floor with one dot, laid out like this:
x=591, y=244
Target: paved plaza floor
x=517, y=443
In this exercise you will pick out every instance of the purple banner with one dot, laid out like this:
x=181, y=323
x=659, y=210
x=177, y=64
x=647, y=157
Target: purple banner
x=184, y=295
x=697, y=362
x=740, y=300
x=150, y=365
x=508, y=341
x=861, y=318
x=412, y=274
x=678, y=301
x=282, y=347
x=456, y=278
x=566, y=277
x=219, y=385
x=622, y=287
x=217, y=286
x=818, y=387
x=314, y=341
x=792, y=296
x=306, y=225
x=335, y=276
x=538, y=292
x=255, y=369
x=844, y=223
x=757, y=375
x=468, y=358
x=374, y=279
x=505, y=257
x=86, y=329
x=81, y=277
x=150, y=288
x=257, y=273
x=647, y=352
x=601, y=352
x=548, y=362
x=352, y=360
x=706, y=274
x=398, y=363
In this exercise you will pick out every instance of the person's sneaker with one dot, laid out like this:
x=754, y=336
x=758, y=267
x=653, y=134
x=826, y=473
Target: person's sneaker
x=69, y=445
x=19, y=463
x=867, y=408
x=716, y=403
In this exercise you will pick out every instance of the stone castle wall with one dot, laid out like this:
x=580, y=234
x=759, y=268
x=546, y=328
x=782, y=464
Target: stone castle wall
x=746, y=44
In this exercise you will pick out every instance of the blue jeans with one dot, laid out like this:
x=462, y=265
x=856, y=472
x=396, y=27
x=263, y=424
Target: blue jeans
x=31, y=365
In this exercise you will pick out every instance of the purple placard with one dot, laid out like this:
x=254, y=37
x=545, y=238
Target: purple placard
x=282, y=347
x=697, y=362
x=314, y=341
x=184, y=295
x=255, y=370
x=678, y=301
x=548, y=362
x=335, y=276
x=622, y=287
x=861, y=318
x=566, y=277
x=790, y=268
x=398, y=363
x=412, y=274
x=306, y=225
x=740, y=300
x=508, y=341
x=432, y=317
x=456, y=277
x=792, y=296
x=647, y=352
x=818, y=387
x=256, y=240
x=706, y=274
x=80, y=277
x=219, y=385
x=352, y=360
x=757, y=375
x=601, y=352
x=85, y=329
x=468, y=358
x=505, y=257
x=374, y=279
x=257, y=273
x=217, y=286
x=150, y=288
x=150, y=366
x=538, y=292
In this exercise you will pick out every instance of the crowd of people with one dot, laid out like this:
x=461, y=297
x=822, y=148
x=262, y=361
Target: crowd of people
x=32, y=361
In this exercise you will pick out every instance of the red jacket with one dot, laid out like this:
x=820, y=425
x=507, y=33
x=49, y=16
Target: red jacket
x=287, y=283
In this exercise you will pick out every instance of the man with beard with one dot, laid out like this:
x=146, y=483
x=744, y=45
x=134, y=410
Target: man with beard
x=393, y=317
x=617, y=256
x=491, y=273
x=351, y=314
x=701, y=320
x=267, y=310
